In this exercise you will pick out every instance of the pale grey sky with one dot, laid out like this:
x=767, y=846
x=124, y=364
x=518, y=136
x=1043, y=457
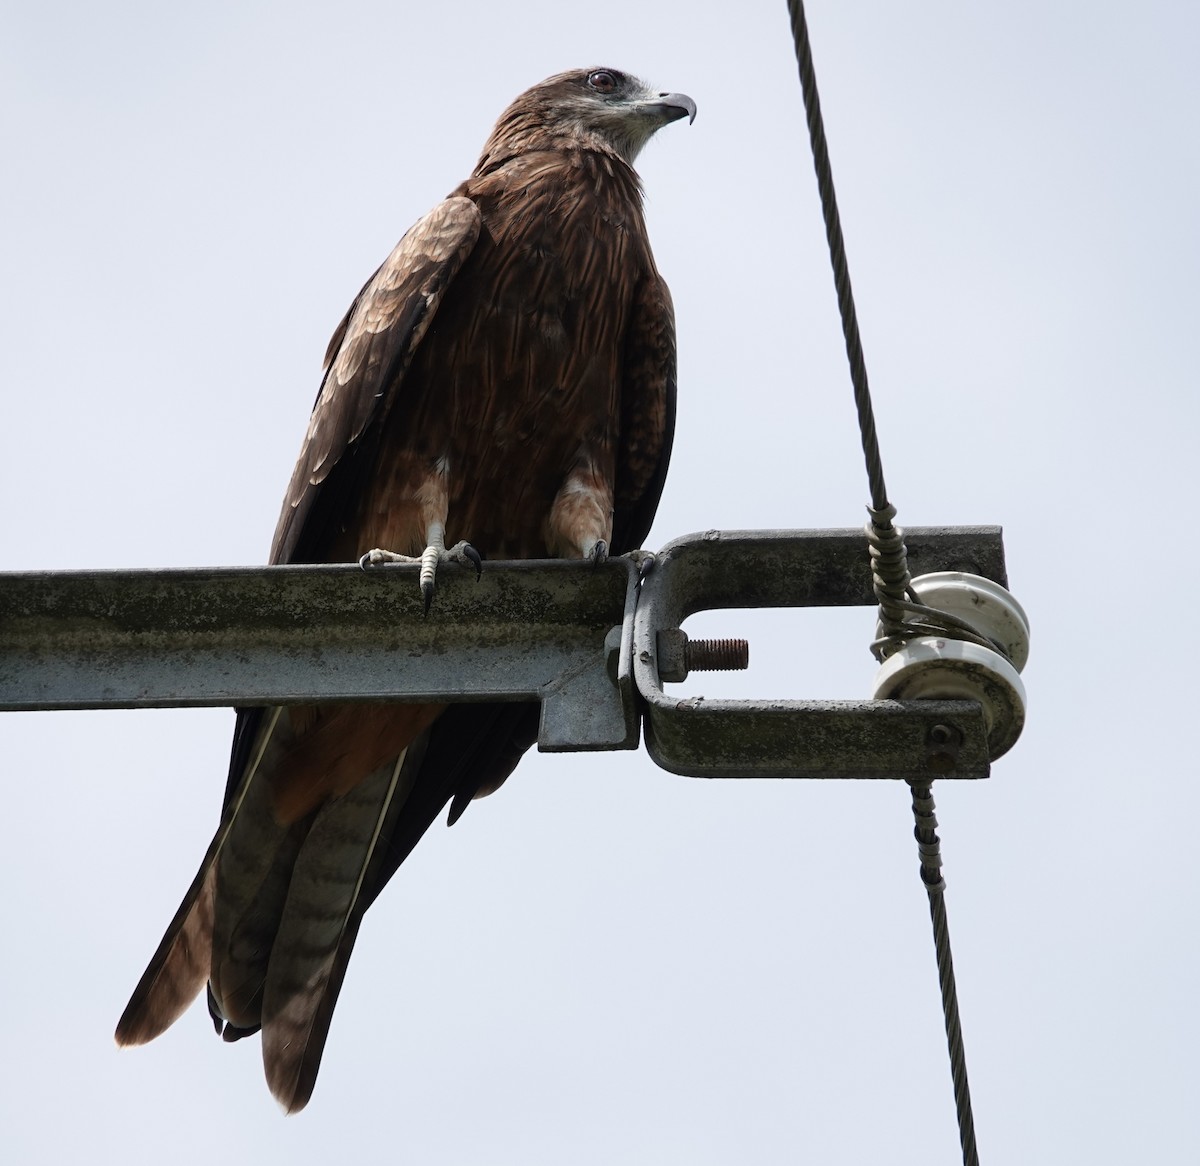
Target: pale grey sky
x=605, y=963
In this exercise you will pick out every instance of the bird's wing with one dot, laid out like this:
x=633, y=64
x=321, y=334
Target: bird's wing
x=647, y=413
x=365, y=364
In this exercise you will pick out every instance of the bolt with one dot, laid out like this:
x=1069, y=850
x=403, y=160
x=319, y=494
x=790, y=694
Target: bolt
x=942, y=744
x=942, y=735
x=677, y=655
x=717, y=655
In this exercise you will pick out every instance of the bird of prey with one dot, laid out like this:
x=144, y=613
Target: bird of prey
x=505, y=382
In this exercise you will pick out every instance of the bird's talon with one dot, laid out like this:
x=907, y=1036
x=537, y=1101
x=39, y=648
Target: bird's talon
x=378, y=556
x=643, y=560
x=599, y=553
x=476, y=558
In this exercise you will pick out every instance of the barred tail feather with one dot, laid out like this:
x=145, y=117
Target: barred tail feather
x=320, y=923
x=181, y=965
x=179, y=968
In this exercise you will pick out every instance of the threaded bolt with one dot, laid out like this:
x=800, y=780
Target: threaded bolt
x=716, y=655
x=677, y=655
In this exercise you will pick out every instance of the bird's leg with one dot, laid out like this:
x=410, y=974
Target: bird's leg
x=434, y=553
x=430, y=499
x=581, y=518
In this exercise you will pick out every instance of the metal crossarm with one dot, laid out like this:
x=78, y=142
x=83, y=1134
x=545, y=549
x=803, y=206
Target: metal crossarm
x=571, y=636
x=307, y=634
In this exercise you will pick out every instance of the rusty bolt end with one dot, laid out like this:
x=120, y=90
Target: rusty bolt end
x=717, y=655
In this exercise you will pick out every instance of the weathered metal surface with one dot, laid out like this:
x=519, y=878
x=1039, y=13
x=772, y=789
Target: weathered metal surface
x=295, y=635
x=802, y=568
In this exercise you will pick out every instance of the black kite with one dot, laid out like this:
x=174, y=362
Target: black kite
x=507, y=379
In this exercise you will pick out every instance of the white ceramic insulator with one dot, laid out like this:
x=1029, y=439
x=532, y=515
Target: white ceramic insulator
x=983, y=604
x=939, y=668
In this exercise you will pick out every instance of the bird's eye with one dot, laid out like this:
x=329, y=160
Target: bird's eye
x=602, y=81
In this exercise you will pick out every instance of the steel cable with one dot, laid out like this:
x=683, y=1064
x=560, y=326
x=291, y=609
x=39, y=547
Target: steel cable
x=841, y=270
x=930, y=849
x=901, y=614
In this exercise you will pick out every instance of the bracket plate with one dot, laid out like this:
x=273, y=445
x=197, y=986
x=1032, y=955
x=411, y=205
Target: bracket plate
x=788, y=738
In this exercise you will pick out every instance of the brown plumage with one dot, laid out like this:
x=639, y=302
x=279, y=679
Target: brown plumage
x=507, y=377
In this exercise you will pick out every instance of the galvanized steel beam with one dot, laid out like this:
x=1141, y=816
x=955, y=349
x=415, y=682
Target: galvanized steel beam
x=299, y=635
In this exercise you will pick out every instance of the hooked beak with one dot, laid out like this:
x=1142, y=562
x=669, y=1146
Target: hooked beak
x=672, y=106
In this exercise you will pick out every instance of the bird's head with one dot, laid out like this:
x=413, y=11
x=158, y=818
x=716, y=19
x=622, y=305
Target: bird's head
x=598, y=109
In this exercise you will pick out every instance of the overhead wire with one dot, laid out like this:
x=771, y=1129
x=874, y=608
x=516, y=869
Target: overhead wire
x=901, y=614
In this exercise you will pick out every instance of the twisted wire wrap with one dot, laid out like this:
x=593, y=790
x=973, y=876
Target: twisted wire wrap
x=902, y=616
x=889, y=569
